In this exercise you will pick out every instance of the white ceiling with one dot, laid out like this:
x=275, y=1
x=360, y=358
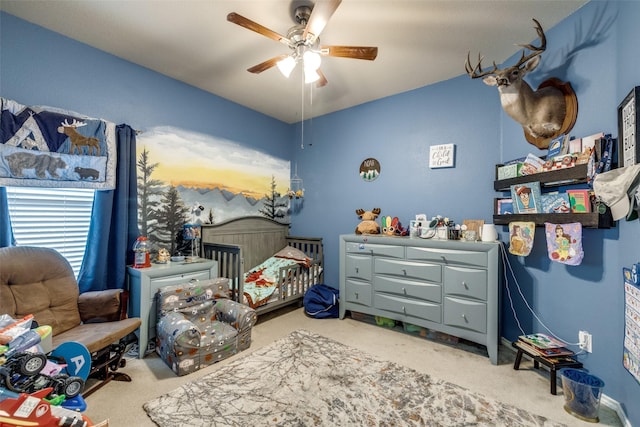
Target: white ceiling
x=420, y=42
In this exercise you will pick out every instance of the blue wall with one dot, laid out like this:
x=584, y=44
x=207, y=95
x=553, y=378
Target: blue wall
x=41, y=67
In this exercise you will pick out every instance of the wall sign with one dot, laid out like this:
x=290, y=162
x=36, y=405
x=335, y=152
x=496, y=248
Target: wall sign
x=629, y=150
x=441, y=156
x=369, y=169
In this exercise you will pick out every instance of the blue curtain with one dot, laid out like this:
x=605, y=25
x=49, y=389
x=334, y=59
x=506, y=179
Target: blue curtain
x=6, y=232
x=114, y=223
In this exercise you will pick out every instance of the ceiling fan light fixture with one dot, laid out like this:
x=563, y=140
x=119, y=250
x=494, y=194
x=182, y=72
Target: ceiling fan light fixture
x=286, y=66
x=310, y=76
x=311, y=60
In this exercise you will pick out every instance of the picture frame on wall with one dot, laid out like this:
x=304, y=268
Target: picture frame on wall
x=526, y=198
x=628, y=148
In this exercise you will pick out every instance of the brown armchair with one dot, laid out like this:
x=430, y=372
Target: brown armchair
x=40, y=281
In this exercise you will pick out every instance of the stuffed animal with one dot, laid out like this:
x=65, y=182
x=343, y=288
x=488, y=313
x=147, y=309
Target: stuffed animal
x=368, y=224
x=392, y=226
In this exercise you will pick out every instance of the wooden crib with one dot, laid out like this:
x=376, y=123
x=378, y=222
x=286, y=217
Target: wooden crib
x=242, y=243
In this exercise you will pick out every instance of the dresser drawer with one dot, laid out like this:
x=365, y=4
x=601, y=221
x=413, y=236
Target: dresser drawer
x=373, y=249
x=468, y=282
x=408, y=288
x=411, y=308
x=465, y=314
x=409, y=269
x=358, y=292
x=358, y=266
x=448, y=256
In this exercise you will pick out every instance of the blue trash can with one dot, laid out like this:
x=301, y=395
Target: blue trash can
x=582, y=393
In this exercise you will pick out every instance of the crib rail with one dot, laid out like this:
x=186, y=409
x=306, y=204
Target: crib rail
x=230, y=264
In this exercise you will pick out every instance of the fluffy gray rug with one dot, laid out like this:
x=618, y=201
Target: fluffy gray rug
x=306, y=379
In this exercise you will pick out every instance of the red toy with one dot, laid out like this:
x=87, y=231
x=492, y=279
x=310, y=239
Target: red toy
x=21, y=409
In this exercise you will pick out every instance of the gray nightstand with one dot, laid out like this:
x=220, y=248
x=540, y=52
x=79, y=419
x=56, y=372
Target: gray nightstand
x=143, y=284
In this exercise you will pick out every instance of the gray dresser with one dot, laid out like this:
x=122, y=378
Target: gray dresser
x=443, y=285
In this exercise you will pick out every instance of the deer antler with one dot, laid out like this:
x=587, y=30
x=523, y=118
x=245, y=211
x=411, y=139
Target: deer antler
x=74, y=124
x=535, y=50
x=476, y=72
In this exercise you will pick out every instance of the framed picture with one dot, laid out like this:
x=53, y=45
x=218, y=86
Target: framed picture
x=526, y=198
x=579, y=201
x=474, y=225
x=504, y=206
x=442, y=156
x=628, y=150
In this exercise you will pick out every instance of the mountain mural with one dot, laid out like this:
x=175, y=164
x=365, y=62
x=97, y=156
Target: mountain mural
x=186, y=177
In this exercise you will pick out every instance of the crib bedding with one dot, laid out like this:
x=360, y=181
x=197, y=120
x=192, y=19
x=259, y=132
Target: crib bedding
x=298, y=279
x=261, y=282
x=246, y=242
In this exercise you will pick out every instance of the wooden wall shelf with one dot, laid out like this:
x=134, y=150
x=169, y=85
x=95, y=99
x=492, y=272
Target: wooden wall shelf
x=556, y=178
x=588, y=220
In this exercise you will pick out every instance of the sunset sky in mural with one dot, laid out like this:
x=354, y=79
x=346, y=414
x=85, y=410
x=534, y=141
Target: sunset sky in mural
x=196, y=160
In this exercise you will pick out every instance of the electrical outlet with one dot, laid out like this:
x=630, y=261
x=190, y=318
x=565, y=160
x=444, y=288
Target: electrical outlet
x=584, y=339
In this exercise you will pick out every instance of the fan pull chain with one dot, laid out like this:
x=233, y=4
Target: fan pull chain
x=302, y=124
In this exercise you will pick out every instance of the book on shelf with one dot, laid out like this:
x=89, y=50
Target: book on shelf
x=541, y=340
x=545, y=352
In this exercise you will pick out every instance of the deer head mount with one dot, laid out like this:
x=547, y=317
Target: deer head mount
x=545, y=113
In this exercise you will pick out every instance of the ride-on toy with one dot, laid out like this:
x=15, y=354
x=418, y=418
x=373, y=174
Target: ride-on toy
x=22, y=371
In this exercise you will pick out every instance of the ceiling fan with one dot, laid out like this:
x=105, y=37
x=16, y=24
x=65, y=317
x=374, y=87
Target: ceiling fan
x=304, y=42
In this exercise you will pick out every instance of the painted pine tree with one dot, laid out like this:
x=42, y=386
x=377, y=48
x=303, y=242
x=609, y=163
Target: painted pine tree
x=273, y=206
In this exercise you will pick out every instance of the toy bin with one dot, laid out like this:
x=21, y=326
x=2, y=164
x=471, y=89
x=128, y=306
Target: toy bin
x=582, y=393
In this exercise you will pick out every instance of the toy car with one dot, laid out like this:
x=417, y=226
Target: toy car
x=21, y=371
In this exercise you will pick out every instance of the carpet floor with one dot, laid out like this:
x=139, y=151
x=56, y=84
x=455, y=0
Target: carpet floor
x=528, y=388
x=306, y=379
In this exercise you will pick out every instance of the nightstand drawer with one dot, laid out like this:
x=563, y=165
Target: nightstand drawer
x=465, y=314
x=448, y=256
x=415, y=270
x=358, y=292
x=408, y=288
x=466, y=282
x=410, y=308
x=358, y=266
x=160, y=282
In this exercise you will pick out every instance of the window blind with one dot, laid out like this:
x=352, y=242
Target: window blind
x=56, y=218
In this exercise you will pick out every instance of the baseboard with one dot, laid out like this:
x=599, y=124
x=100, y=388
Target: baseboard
x=605, y=400
x=615, y=406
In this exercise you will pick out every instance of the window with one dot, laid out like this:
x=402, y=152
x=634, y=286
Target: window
x=56, y=218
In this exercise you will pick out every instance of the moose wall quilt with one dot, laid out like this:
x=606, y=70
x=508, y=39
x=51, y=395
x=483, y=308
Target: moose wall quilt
x=49, y=147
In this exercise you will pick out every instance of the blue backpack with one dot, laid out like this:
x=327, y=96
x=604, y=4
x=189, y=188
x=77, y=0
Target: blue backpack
x=321, y=301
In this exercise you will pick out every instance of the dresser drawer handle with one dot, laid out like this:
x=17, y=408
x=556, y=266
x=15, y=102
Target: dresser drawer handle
x=464, y=317
x=404, y=271
x=356, y=295
x=465, y=285
x=357, y=270
x=404, y=310
x=404, y=291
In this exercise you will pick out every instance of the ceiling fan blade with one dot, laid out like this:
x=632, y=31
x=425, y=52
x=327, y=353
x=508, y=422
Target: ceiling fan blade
x=254, y=26
x=263, y=66
x=355, y=52
x=322, y=81
x=322, y=11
